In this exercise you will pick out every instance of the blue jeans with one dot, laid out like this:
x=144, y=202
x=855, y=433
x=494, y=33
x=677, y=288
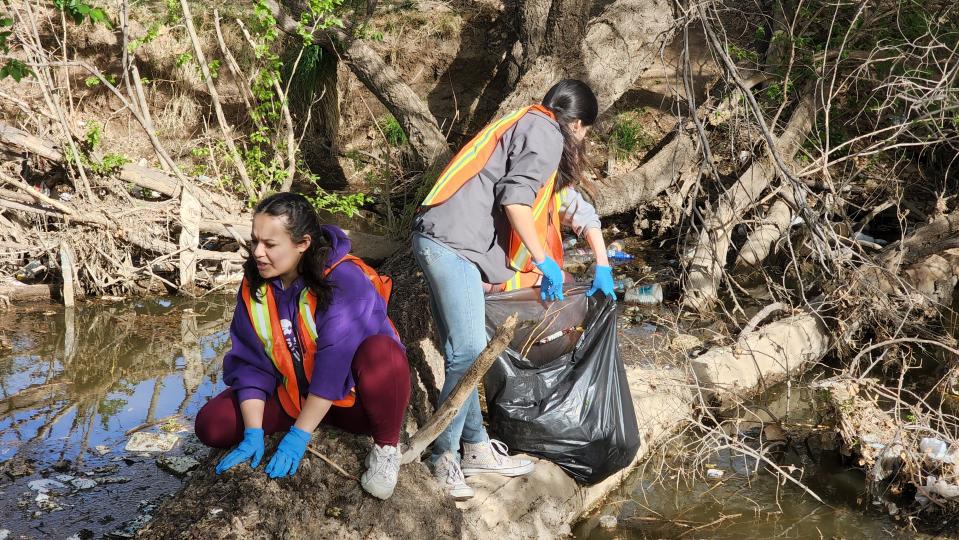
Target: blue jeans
x=459, y=312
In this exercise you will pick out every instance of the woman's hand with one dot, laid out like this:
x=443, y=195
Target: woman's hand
x=603, y=281
x=249, y=449
x=288, y=454
x=551, y=287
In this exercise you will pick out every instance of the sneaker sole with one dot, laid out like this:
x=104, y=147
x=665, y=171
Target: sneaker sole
x=373, y=490
x=513, y=471
x=463, y=496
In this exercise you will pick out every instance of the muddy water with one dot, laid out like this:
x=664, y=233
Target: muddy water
x=661, y=500
x=73, y=383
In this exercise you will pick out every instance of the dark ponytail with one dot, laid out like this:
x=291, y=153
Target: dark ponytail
x=571, y=100
x=301, y=220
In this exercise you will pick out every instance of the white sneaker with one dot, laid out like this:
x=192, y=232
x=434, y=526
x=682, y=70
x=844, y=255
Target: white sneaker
x=383, y=468
x=447, y=472
x=491, y=456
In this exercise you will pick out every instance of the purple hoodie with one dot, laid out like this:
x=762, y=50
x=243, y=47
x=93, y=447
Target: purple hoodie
x=356, y=312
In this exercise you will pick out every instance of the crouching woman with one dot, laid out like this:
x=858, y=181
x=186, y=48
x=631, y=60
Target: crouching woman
x=312, y=343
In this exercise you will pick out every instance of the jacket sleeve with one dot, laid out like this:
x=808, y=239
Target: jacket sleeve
x=341, y=329
x=533, y=153
x=246, y=368
x=576, y=213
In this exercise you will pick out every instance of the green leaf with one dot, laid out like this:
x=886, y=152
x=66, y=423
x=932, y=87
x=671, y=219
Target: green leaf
x=16, y=70
x=6, y=21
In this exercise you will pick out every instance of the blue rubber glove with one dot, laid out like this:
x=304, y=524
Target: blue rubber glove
x=603, y=281
x=288, y=454
x=250, y=447
x=551, y=287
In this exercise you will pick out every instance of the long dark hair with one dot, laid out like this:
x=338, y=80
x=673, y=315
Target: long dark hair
x=301, y=220
x=571, y=100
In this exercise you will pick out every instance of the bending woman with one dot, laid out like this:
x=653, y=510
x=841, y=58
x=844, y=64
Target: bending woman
x=311, y=343
x=491, y=222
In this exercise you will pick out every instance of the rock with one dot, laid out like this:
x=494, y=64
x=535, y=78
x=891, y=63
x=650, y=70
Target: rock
x=151, y=442
x=714, y=473
x=101, y=449
x=685, y=342
x=106, y=469
x=608, y=522
x=114, y=480
x=64, y=477
x=178, y=465
x=4, y=533
x=44, y=485
x=83, y=483
x=62, y=466
x=18, y=468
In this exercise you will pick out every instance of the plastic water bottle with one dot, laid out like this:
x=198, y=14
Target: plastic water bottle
x=618, y=257
x=616, y=245
x=645, y=294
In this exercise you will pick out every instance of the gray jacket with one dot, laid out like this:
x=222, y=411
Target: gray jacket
x=473, y=221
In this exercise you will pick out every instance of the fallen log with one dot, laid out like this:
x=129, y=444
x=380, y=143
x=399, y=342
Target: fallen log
x=16, y=291
x=706, y=261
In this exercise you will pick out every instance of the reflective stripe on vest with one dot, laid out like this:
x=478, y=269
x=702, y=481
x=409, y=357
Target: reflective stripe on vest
x=522, y=280
x=266, y=323
x=470, y=161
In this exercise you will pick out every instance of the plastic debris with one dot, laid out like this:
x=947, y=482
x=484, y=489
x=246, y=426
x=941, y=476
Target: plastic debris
x=44, y=485
x=31, y=270
x=622, y=285
x=178, y=465
x=151, y=442
x=644, y=294
x=83, y=483
x=936, y=450
x=714, y=473
x=608, y=522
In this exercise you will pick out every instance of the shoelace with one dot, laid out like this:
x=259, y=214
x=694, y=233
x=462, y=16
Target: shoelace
x=500, y=450
x=454, y=475
x=383, y=462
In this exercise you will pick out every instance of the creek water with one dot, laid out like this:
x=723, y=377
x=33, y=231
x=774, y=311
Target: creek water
x=667, y=498
x=74, y=382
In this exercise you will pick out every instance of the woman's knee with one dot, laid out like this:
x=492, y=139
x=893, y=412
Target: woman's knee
x=216, y=422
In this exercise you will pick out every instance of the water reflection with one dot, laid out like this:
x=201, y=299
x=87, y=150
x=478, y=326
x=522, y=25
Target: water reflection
x=79, y=378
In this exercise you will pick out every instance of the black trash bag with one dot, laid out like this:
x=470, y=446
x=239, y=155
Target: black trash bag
x=559, y=391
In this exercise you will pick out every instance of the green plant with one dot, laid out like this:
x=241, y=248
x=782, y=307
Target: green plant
x=260, y=156
x=78, y=10
x=393, y=131
x=93, y=135
x=151, y=35
x=183, y=59
x=347, y=204
x=13, y=68
x=628, y=136
x=742, y=54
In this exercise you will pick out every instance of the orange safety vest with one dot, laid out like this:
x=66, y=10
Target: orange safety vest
x=266, y=323
x=469, y=161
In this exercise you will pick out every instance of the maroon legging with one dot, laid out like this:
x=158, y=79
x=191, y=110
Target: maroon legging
x=382, y=376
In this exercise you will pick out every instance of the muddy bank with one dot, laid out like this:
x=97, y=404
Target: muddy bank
x=316, y=503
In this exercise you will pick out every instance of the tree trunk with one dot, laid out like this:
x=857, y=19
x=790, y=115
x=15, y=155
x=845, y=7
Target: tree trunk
x=617, y=47
x=678, y=158
x=424, y=135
